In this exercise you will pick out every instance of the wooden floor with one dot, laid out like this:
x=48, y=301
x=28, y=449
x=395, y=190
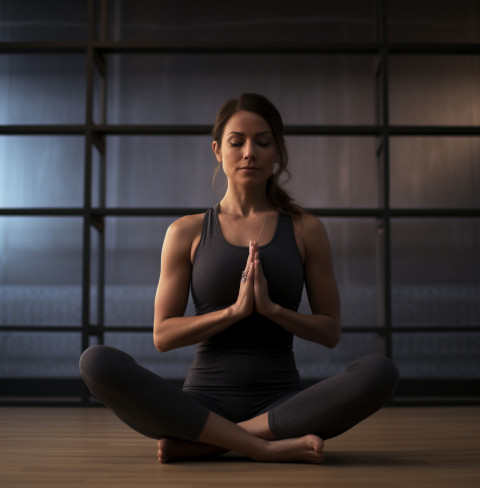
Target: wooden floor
x=89, y=447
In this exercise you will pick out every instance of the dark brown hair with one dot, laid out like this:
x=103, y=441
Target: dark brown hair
x=279, y=199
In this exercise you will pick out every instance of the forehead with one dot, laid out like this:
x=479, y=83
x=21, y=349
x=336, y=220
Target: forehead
x=246, y=123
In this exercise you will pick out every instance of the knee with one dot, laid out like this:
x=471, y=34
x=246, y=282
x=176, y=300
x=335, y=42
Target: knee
x=90, y=361
x=383, y=374
x=99, y=364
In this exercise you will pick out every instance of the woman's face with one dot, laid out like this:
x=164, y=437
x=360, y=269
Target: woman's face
x=248, y=150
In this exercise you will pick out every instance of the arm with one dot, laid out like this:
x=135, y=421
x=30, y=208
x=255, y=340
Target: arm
x=323, y=324
x=171, y=329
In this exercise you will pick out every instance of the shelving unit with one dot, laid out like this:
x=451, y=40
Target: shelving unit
x=96, y=50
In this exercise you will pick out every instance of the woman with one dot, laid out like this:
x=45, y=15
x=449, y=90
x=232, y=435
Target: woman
x=246, y=261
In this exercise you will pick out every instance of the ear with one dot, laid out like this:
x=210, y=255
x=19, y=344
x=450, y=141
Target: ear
x=216, y=149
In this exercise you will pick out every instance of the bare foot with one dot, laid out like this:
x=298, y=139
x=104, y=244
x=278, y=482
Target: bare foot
x=306, y=449
x=170, y=450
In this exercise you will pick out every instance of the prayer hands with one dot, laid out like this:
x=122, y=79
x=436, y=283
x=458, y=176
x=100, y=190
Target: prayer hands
x=253, y=294
x=260, y=285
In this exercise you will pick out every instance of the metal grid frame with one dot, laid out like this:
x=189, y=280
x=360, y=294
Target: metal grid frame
x=94, y=217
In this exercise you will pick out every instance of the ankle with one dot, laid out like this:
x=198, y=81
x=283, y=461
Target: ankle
x=262, y=450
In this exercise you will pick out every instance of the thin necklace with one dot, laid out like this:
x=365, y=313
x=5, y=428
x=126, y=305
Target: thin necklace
x=235, y=234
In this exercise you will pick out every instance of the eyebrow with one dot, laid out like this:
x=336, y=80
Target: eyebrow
x=258, y=134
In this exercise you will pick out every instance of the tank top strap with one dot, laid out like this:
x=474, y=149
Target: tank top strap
x=208, y=227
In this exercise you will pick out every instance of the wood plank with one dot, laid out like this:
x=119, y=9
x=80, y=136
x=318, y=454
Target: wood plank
x=90, y=447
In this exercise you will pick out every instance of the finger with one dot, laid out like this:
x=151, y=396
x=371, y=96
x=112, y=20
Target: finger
x=251, y=256
x=258, y=270
x=247, y=273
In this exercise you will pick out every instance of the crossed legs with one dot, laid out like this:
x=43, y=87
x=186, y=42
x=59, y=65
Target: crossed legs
x=292, y=431
x=327, y=409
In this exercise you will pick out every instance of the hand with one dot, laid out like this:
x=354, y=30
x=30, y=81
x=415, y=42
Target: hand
x=244, y=305
x=263, y=303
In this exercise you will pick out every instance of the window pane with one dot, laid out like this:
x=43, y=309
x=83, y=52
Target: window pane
x=133, y=249
x=434, y=21
x=48, y=20
x=434, y=90
x=437, y=355
x=97, y=179
x=41, y=271
x=191, y=21
x=435, y=272
x=189, y=89
x=42, y=89
x=39, y=355
x=41, y=171
x=353, y=244
x=95, y=271
x=154, y=171
x=435, y=172
x=333, y=171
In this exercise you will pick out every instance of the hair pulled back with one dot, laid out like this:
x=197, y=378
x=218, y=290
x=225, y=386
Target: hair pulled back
x=278, y=198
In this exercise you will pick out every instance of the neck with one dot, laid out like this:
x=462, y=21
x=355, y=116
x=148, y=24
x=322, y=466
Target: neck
x=246, y=203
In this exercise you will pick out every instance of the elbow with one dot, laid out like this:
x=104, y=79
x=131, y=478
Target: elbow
x=161, y=336
x=161, y=346
x=332, y=343
x=160, y=343
x=334, y=337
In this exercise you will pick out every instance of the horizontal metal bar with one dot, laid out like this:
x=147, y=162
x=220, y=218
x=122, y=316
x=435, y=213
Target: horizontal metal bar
x=42, y=130
x=425, y=329
x=334, y=130
x=121, y=47
x=434, y=212
x=471, y=48
x=204, y=129
x=396, y=212
x=149, y=212
x=354, y=48
x=43, y=47
x=110, y=47
x=180, y=130
x=43, y=212
x=41, y=328
x=419, y=130
x=180, y=211
x=94, y=330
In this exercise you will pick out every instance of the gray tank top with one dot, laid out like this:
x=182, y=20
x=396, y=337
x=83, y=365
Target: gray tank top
x=216, y=274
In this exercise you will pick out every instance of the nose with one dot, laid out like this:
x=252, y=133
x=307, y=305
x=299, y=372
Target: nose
x=249, y=151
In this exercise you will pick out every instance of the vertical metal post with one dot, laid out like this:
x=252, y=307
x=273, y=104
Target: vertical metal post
x=384, y=166
x=102, y=181
x=87, y=196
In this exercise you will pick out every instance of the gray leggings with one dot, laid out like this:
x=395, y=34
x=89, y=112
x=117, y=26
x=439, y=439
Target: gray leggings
x=155, y=408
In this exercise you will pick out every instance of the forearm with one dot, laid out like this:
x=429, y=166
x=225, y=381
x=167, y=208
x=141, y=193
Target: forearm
x=320, y=328
x=174, y=332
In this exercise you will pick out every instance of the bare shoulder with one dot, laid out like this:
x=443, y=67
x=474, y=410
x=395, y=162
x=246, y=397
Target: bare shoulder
x=308, y=226
x=189, y=225
x=184, y=234
x=310, y=234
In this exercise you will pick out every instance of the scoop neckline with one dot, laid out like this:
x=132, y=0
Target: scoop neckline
x=217, y=225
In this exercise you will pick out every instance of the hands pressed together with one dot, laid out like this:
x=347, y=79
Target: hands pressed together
x=253, y=293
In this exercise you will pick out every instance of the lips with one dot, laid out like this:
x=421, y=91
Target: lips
x=249, y=168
